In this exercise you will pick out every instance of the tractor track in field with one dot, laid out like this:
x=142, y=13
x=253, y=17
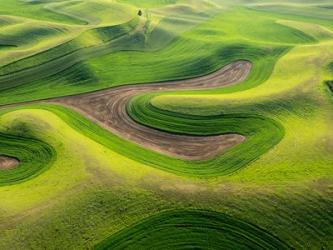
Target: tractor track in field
x=108, y=108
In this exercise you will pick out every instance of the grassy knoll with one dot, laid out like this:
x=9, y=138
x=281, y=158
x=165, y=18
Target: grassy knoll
x=68, y=50
x=214, y=49
x=101, y=191
x=300, y=120
x=261, y=133
x=27, y=37
x=34, y=157
x=198, y=229
x=34, y=10
x=94, y=12
x=79, y=186
x=33, y=34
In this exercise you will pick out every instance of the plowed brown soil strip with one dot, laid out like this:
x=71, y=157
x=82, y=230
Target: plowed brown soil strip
x=7, y=163
x=108, y=108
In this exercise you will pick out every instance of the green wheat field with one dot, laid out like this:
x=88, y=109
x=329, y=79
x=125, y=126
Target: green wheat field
x=166, y=124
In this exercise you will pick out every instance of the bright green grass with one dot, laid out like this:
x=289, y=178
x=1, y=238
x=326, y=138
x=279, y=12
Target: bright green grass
x=93, y=37
x=33, y=34
x=26, y=34
x=94, y=12
x=291, y=96
x=34, y=11
x=18, y=141
x=261, y=133
x=91, y=190
x=149, y=3
x=310, y=11
x=99, y=184
x=89, y=45
x=181, y=63
x=35, y=156
x=197, y=229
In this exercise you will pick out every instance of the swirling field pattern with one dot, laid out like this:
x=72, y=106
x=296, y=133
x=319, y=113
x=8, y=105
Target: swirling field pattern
x=166, y=124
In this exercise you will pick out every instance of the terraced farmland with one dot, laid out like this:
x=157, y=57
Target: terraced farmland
x=166, y=124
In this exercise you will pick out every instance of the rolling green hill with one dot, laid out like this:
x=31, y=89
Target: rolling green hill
x=81, y=184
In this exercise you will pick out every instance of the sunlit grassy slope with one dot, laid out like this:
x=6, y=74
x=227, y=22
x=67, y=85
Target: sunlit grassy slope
x=197, y=229
x=79, y=186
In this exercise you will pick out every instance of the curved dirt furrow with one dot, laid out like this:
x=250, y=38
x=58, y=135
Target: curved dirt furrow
x=108, y=108
x=7, y=163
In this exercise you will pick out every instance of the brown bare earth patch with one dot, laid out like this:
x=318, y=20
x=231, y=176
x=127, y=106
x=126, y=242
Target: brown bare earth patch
x=108, y=109
x=7, y=163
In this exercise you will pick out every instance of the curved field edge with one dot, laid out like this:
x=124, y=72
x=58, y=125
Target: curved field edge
x=190, y=168
x=34, y=155
x=259, y=74
x=199, y=229
x=79, y=43
x=263, y=63
x=262, y=136
x=50, y=73
x=262, y=133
